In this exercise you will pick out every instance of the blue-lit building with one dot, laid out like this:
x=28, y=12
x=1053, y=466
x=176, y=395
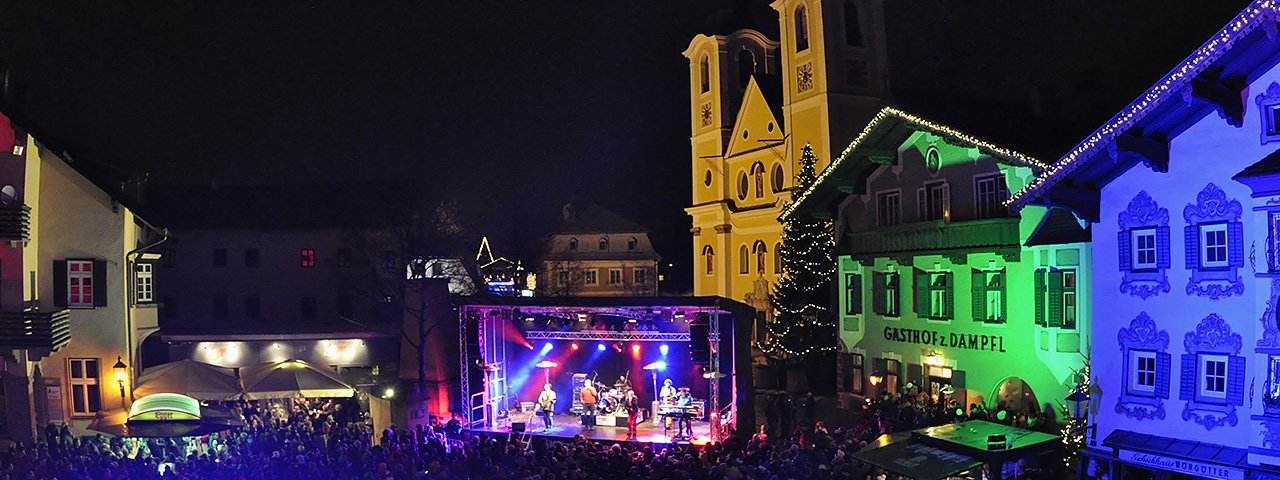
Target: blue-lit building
x=1183, y=190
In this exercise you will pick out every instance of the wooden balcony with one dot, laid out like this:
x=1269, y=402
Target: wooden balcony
x=936, y=237
x=15, y=222
x=40, y=333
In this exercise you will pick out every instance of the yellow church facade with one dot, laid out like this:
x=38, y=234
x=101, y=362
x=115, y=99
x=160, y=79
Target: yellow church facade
x=754, y=104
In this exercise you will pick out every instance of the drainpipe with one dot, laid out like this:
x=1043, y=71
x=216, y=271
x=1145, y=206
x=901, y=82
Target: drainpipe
x=131, y=300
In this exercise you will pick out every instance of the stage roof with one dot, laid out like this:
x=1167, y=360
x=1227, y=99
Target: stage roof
x=724, y=305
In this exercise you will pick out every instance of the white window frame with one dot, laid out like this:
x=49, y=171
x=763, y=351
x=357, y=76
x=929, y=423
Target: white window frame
x=1069, y=307
x=989, y=202
x=883, y=207
x=562, y=277
x=938, y=308
x=78, y=280
x=1211, y=381
x=144, y=290
x=1136, y=250
x=84, y=381
x=893, y=304
x=641, y=276
x=936, y=192
x=615, y=276
x=1142, y=381
x=1214, y=230
x=995, y=297
x=590, y=277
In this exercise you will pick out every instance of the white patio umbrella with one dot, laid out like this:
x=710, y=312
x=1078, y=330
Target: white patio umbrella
x=290, y=379
x=194, y=379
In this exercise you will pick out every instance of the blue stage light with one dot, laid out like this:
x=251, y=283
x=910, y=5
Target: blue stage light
x=600, y=347
x=663, y=349
x=660, y=365
x=546, y=348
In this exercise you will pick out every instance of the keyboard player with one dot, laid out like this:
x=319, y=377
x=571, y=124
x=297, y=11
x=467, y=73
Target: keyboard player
x=685, y=402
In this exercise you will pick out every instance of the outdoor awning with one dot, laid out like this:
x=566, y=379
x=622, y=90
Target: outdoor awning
x=165, y=415
x=194, y=379
x=292, y=378
x=903, y=455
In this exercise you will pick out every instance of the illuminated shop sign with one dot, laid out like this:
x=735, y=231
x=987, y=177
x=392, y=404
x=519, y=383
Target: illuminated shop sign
x=967, y=341
x=1173, y=464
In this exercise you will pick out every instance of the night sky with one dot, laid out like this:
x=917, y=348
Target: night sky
x=511, y=108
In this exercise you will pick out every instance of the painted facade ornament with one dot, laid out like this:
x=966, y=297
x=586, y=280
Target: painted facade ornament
x=1270, y=327
x=1143, y=212
x=1212, y=206
x=1214, y=336
x=1141, y=334
x=1267, y=99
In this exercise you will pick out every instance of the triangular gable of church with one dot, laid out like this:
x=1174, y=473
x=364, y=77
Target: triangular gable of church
x=758, y=125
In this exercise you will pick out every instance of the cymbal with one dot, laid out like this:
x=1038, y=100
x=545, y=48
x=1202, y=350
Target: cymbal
x=547, y=364
x=710, y=375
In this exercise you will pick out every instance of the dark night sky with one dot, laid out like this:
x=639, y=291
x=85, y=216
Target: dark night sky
x=513, y=108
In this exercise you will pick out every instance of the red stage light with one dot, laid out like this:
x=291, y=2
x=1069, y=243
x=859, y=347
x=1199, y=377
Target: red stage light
x=574, y=346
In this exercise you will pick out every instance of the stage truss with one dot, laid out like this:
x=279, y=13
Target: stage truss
x=607, y=336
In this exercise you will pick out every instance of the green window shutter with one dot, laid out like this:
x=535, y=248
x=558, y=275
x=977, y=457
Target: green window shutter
x=1039, y=287
x=855, y=289
x=921, y=292
x=1235, y=380
x=1235, y=244
x=1055, y=298
x=950, y=294
x=878, y=288
x=1004, y=296
x=1162, y=374
x=1187, y=377
x=979, y=289
x=99, y=283
x=1191, y=235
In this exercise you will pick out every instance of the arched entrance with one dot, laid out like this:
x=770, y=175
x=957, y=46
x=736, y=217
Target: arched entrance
x=1016, y=396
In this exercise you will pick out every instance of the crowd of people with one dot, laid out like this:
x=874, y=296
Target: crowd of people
x=329, y=440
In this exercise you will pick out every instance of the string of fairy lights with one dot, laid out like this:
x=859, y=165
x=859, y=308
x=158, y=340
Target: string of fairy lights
x=1075, y=431
x=1174, y=82
x=807, y=267
x=886, y=113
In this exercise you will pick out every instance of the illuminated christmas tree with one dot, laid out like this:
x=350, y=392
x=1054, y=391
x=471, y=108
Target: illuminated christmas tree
x=801, y=327
x=1076, y=428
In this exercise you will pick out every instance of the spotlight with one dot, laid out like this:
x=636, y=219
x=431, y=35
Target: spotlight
x=635, y=348
x=546, y=347
x=663, y=349
x=600, y=347
x=389, y=393
x=574, y=346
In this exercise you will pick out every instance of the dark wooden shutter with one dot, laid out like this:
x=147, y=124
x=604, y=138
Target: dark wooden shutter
x=855, y=299
x=878, y=366
x=1122, y=246
x=921, y=291
x=950, y=294
x=1235, y=380
x=1235, y=244
x=979, y=295
x=1187, y=377
x=1191, y=235
x=915, y=374
x=1055, y=298
x=1162, y=247
x=59, y=283
x=878, y=288
x=1162, y=374
x=1039, y=287
x=99, y=283
x=1004, y=296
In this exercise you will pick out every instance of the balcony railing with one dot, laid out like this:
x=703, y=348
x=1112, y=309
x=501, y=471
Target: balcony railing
x=936, y=236
x=15, y=222
x=39, y=332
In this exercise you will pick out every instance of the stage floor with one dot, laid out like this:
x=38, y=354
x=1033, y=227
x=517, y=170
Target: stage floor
x=565, y=427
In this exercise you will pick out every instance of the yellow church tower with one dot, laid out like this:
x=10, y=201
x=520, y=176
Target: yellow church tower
x=754, y=104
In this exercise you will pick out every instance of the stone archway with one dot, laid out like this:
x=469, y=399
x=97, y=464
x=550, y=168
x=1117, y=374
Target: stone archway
x=1016, y=395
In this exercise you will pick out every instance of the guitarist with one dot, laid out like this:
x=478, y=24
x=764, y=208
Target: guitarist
x=546, y=404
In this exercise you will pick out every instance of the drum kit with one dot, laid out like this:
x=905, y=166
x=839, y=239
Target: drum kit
x=610, y=401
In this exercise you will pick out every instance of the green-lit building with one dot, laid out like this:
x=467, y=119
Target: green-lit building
x=939, y=284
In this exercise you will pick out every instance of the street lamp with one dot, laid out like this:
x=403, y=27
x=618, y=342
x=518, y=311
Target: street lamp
x=1078, y=403
x=120, y=369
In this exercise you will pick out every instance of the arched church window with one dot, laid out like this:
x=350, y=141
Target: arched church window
x=779, y=178
x=742, y=185
x=852, y=28
x=777, y=258
x=757, y=172
x=704, y=74
x=746, y=67
x=743, y=260
x=759, y=251
x=709, y=257
x=802, y=29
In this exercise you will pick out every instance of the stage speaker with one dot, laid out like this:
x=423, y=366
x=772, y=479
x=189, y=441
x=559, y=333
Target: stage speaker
x=517, y=427
x=699, y=348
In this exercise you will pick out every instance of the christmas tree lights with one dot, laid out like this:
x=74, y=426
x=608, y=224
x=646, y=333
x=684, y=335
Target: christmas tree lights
x=800, y=297
x=1074, y=432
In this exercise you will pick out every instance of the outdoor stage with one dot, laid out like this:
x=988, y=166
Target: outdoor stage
x=565, y=427
x=514, y=346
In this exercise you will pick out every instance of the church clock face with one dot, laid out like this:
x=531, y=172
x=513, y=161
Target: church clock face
x=706, y=114
x=804, y=77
